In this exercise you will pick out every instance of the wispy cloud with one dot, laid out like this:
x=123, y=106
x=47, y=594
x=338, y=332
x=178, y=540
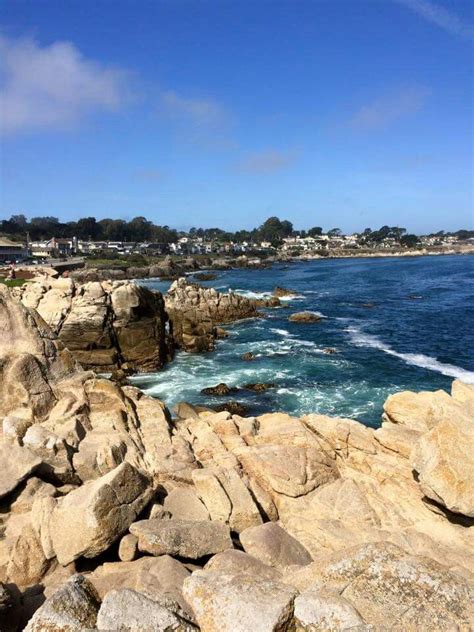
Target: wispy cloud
x=389, y=108
x=199, y=112
x=267, y=161
x=442, y=17
x=53, y=86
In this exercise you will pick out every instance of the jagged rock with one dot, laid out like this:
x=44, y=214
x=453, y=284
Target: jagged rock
x=220, y=389
x=71, y=608
x=183, y=503
x=247, y=356
x=104, y=324
x=16, y=464
x=27, y=563
x=34, y=488
x=237, y=562
x=304, y=317
x=225, y=602
x=226, y=497
x=272, y=545
x=130, y=611
x=282, y=292
x=186, y=538
x=444, y=460
x=159, y=578
x=54, y=452
x=259, y=387
x=194, y=312
x=104, y=508
x=235, y=408
x=324, y=610
x=128, y=548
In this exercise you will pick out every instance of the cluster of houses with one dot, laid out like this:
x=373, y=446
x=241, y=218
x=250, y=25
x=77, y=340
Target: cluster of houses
x=189, y=245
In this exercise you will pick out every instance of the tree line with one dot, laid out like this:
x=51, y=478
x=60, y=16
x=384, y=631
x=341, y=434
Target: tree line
x=139, y=229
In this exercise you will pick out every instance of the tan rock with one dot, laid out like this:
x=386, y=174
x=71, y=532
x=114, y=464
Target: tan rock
x=324, y=610
x=226, y=497
x=71, y=608
x=225, y=602
x=27, y=563
x=236, y=562
x=444, y=460
x=183, y=503
x=185, y=538
x=130, y=611
x=272, y=545
x=105, y=508
x=128, y=548
x=16, y=464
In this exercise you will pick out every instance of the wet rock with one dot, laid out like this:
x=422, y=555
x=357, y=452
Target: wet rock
x=235, y=408
x=247, y=356
x=220, y=389
x=259, y=387
x=282, y=292
x=305, y=317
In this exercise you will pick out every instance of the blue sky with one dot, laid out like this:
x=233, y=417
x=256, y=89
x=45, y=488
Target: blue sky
x=347, y=113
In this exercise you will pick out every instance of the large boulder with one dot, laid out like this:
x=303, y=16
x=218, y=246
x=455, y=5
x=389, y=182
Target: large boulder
x=71, y=608
x=444, y=460
x=104, y=509
x=16, y=464
x=130, y=611
x=195, y=311
x=104, y=324
x=272, y=545
x=185, y=538
x=225, y=602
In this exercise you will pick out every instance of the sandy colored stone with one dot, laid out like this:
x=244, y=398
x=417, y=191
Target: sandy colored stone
x=186, y=538
x=104, y=508
x=225, y=602
x=129, y=611
x=235, y=562
x=128, y=547
x=444, y=460
x=183, y=503
x=272, y=545
x=71, y=608
x=16, y=464
x=323, y=610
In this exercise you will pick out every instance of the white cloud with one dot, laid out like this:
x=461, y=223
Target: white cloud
x=442, y=17
x=389, y=108
x=53, y=86
x=199, y=112
x=267, y=161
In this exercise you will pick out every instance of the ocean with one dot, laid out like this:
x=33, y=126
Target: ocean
x=394, y=323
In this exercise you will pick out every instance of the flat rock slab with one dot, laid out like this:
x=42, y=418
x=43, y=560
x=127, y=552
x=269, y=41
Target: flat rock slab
x=185, y=538
x=224, y=602
x=130, y=611
x=16, y=464
x=274, y=546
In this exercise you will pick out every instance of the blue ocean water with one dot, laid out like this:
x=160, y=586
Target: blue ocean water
x=396, y=324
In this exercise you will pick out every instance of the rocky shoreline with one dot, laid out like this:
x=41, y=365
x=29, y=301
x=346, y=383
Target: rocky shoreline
x=116, y=516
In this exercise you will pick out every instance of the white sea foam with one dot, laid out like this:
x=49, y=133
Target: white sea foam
x=281, y=332
x=361, y=339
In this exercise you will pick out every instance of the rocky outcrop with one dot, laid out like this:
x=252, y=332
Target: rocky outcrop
x=195, y=311
x=304, y=317
x=341, y=525
x=105, y=325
